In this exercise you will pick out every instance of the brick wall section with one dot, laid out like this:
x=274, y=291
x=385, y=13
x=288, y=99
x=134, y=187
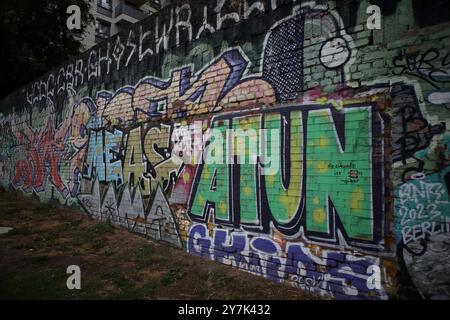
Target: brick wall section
x=338, y=182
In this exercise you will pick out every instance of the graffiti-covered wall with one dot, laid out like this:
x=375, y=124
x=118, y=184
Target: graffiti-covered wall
x=306, y=142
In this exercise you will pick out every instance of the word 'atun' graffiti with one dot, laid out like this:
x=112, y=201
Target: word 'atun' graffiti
x=329, y=273
x=329, y=160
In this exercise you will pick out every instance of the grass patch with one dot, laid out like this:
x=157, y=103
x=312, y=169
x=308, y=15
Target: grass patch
x=218, y=278
x=150, y=255
x=172, y=276
x=117, y=278
x=40, y=259
x=42, y=208
x=70, y=225
x=142, y=254
x=114, y=265
x=46, y=284
x=102, y=228
x=97, y=244
x=11, y=205
x=147, y=290
x=9, y=210
x=21, y=231
x=92, y=233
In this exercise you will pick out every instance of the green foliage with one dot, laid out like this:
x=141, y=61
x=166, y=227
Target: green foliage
x=172, y=276
x=35, y=38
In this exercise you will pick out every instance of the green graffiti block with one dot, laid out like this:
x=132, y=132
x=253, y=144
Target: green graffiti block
x=340, y=175
x=283, y=201
x=245, y=145
x=213, y=186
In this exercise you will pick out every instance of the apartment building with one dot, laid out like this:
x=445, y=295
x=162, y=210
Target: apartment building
x=113, y=15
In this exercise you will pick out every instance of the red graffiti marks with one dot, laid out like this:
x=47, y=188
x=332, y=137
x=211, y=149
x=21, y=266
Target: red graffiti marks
x=43, y=150
x=52, y=148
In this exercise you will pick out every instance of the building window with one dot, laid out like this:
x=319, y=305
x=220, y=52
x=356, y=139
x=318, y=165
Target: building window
x=102, y=29
x=106, y=4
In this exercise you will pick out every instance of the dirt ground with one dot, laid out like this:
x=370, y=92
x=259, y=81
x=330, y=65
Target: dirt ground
x=114, y=263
